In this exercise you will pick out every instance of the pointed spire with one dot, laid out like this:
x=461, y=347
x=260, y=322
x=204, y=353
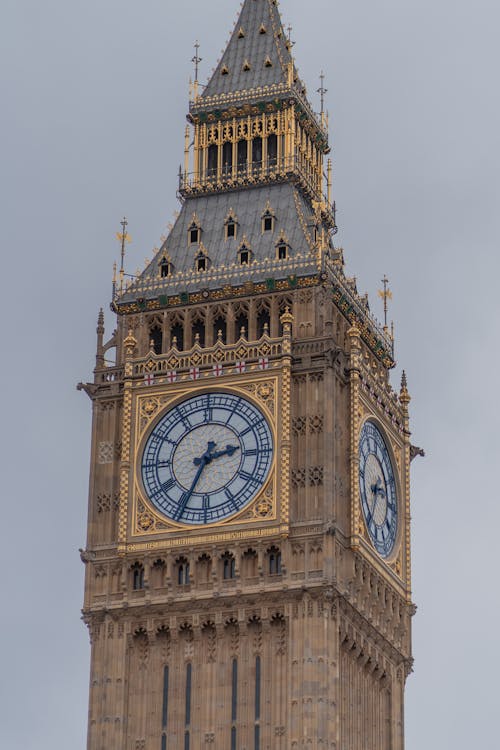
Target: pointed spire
x=257, y=54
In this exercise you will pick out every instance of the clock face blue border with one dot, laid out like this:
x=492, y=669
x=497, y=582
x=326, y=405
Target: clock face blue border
x=377, y=486
x=207, y=458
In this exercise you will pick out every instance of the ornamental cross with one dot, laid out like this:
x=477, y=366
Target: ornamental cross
x=264, y=363
x=386, y=295
x=194, y=373
x=240, y=367
x=218, y=371
x=172, y=376
x=149, y=379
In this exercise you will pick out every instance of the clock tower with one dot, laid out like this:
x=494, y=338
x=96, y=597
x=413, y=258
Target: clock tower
x=248, y=553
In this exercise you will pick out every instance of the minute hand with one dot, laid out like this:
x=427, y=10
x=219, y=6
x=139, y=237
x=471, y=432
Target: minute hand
x=182, y=507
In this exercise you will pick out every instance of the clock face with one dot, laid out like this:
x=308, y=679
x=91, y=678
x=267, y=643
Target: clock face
x=207, y=458
x=378, y=489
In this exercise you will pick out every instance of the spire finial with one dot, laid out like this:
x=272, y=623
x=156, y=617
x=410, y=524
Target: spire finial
x=386, y=295
x=322, y=91
x=123, y=237
x=290, y=29
x=196, y=60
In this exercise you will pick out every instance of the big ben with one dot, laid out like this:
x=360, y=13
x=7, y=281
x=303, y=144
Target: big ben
x=248, y=569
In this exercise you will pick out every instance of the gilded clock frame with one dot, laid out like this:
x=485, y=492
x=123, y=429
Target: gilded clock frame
x=266, y=515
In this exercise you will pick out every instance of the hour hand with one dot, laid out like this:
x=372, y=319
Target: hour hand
x=207, y=456
x=377, y=489
x=230, y=451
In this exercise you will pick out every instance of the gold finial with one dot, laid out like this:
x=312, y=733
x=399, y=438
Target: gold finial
x=287, y=317
x=404, y=396
x=124, y=238
x=196, y=60
x=386, y=295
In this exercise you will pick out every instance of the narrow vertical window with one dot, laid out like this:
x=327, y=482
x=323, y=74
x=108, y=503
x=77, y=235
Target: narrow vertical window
x=227, y=158
x=234, y=704
x=177, y=333
x=257, y=703
x=257, y=153
x=213, y=153
x=156, y=339
x=242, y=155
x=272, y=150
x=189, y=670
x=165, y=698
x=164, y=742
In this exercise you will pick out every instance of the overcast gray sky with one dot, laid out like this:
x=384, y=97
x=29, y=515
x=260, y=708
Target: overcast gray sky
x=93, y=98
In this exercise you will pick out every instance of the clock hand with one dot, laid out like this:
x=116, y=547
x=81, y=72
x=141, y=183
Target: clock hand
x=201, y=463
x=207, y=456
x=230, y=451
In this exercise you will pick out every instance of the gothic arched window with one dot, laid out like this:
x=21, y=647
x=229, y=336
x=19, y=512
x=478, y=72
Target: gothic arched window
x=137, y=576
x=228, y=566
x=263, y=322
x=156, y=338
x=177, y=336
x=198, y=332
x=241, y=327
x=274, y=559
x=183, y=578
x=220, y=326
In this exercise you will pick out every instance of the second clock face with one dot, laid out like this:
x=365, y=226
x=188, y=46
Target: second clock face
x=207, y=458
x=378, y=489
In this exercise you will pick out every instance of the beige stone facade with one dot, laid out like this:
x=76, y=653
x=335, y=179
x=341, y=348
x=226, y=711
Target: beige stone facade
x=279, y=626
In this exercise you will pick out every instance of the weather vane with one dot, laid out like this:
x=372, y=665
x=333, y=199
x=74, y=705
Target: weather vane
x=124, y=238
x=322, y=91
x=386, y=295
x=290, y=29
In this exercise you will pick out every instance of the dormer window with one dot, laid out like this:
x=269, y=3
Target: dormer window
x=244, y=252
x=224, y=71
x=201, y=259
x=241, y=33
x=244, y=255
x=268, y=63
x=262, y=30
x=231, y=226
x=165, y=268
x=194, y=235
x=268, y=219
x=282, y=251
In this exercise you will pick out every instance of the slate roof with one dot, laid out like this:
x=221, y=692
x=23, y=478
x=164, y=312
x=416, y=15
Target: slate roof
x=250, y=47
x=294, y=221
